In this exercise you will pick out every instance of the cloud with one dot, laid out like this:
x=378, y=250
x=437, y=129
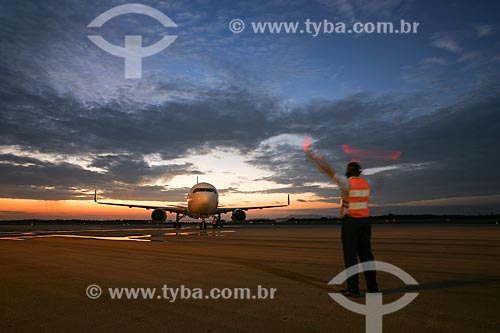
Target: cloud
x=366, y=9
x=446, y=42
x=483, y=30
x=434, y=61
x=468, y=56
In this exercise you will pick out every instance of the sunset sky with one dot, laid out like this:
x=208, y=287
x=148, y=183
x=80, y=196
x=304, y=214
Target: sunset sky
x=233, y=109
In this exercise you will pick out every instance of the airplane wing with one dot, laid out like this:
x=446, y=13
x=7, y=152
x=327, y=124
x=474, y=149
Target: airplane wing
x=171, y=209
x=230, y=209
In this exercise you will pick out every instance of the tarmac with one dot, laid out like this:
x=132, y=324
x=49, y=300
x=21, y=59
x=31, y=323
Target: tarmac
x=45, y=272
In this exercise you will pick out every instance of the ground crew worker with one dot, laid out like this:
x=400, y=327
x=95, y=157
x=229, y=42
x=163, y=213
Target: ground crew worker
x=356, y=226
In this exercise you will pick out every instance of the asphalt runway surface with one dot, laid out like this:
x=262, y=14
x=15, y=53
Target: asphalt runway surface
x=45, y=272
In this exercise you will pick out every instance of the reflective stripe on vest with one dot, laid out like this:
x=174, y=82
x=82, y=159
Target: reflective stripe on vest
x=358, y=205
x=359, y=193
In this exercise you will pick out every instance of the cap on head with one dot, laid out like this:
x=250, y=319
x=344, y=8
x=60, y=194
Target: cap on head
x=353, y=169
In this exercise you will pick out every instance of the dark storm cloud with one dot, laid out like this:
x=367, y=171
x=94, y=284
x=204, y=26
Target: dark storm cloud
x=38, y=173
x=30, y=178
x=133, y=169
x=55, y=124
x=34, y=179
x=61, y=96
x=447, y=153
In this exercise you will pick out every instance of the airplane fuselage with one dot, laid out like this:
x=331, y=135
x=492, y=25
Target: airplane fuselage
x=202, y=200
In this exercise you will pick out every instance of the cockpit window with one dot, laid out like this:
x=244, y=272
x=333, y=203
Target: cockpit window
x=201, y=189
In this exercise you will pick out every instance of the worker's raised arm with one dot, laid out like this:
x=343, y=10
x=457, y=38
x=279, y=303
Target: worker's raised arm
x=319, y=162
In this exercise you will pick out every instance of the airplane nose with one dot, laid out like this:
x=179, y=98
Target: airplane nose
x=205, y=202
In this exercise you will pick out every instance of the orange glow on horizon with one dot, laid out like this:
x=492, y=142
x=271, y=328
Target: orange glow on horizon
x=13, y=209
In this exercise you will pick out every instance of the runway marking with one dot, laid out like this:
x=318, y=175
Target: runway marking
x=38, y=232
x=137, y=238
x=114, y=238
x=199, y=233
x=18, y=236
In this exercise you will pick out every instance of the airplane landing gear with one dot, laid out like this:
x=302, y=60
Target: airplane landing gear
x=177, y=223
x=203, y=225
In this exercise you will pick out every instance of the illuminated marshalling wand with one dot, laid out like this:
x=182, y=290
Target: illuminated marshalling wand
x=202, y=203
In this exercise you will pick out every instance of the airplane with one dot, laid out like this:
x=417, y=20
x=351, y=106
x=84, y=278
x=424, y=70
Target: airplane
x=202, y=203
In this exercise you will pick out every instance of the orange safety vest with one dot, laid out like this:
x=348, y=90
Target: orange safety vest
x=359, y=194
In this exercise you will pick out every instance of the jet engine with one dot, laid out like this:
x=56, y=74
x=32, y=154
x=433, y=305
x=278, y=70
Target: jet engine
x=158, y=215
x=238, y=216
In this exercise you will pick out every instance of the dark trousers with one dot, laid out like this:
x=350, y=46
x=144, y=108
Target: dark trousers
x=356, y=242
